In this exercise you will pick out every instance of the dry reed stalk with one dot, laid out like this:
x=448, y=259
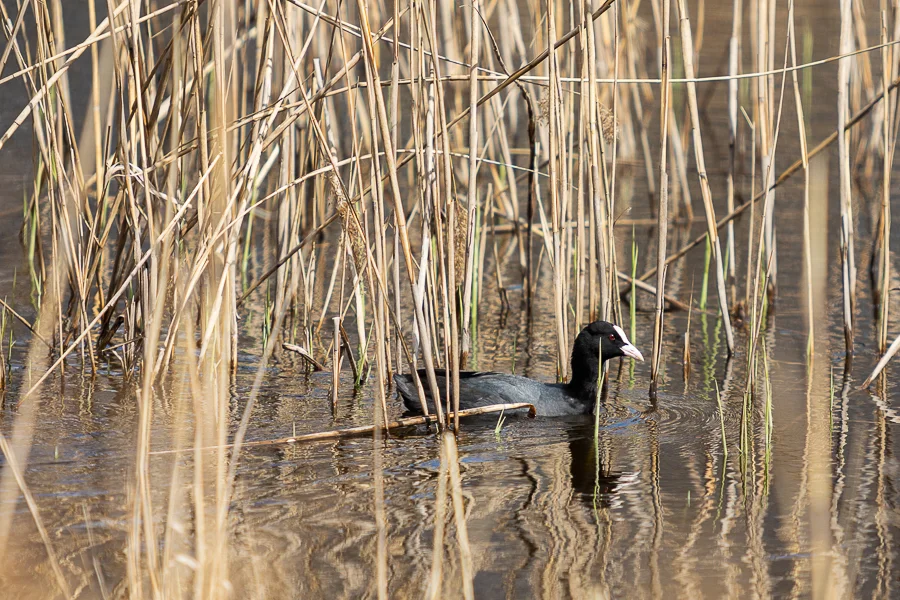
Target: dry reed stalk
x=588, y=98
x=596, y=181
x=335, y=361
x=555, y=249
x=662, y=214
x=863, y=87
x=583, y=267
x=765, y=48
x=354, y=232
x=712, y=230
x=760, y=298
x=682, y=193
x=375, y=85
x=120, y=291
x=460, y=355
x=430, y=185
x=4, y=361
x=888, y=150
x=784, y=176
x=486, y=216
x=611, y=129
x=448, y=253
x=568, y=147
x=506, y=81
x=807, y=244
x=59, y=73
x=734, y=65
x=380, y=318
x=848, y=263
x=31, y=328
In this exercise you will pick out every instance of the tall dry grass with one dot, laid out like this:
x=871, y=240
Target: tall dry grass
x=312, y=161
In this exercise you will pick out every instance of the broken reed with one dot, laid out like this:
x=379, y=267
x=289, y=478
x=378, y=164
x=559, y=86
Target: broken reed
x=324, y=156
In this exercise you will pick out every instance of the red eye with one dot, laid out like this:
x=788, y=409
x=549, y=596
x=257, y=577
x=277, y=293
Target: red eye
x=612, y=336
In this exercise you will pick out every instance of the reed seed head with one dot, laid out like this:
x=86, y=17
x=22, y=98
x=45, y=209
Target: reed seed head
x=609, y=125
x=460, y=237
x=356, y=237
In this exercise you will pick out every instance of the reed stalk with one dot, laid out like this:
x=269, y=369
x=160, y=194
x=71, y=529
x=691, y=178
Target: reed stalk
x=734, y=67
x=335, y=361
x=888, y=146
x=662, y=213
x=807, y=243
x=471, y=208
x=712, y=229
x=846, y=245
x=556, y=212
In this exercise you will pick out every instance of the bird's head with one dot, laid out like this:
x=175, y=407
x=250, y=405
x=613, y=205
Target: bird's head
x=602, y=339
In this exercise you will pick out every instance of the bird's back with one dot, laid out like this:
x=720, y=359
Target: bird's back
x=478, y=388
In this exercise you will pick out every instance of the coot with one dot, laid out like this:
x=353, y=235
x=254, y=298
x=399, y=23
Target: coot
x=576, y=397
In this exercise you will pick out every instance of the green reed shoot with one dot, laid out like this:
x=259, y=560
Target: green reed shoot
x=4, y=364
x=704, y=287
x=500, y=421
x=245, y=258
x=767, y=423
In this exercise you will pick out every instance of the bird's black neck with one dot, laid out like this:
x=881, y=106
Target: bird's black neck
x=583, y=385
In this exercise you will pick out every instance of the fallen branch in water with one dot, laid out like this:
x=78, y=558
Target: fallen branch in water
x=352, y=431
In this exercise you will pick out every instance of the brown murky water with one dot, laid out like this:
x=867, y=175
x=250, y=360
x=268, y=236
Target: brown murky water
x=640, y=504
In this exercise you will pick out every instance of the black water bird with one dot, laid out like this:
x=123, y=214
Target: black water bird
x=577, y=397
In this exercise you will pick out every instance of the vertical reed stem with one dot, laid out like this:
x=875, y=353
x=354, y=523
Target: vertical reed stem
x=848, y=266
x=662, y=215
x=335, y=361
x=807, y=244
x=734, y=59
x=888, y=149
x=701, y=171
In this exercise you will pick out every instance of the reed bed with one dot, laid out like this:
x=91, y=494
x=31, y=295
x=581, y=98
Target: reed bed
x=278, y=164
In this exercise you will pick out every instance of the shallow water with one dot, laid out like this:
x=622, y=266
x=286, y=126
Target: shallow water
x=640, y=503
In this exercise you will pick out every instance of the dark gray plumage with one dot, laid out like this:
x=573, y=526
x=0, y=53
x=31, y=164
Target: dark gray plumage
x=549, y=399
